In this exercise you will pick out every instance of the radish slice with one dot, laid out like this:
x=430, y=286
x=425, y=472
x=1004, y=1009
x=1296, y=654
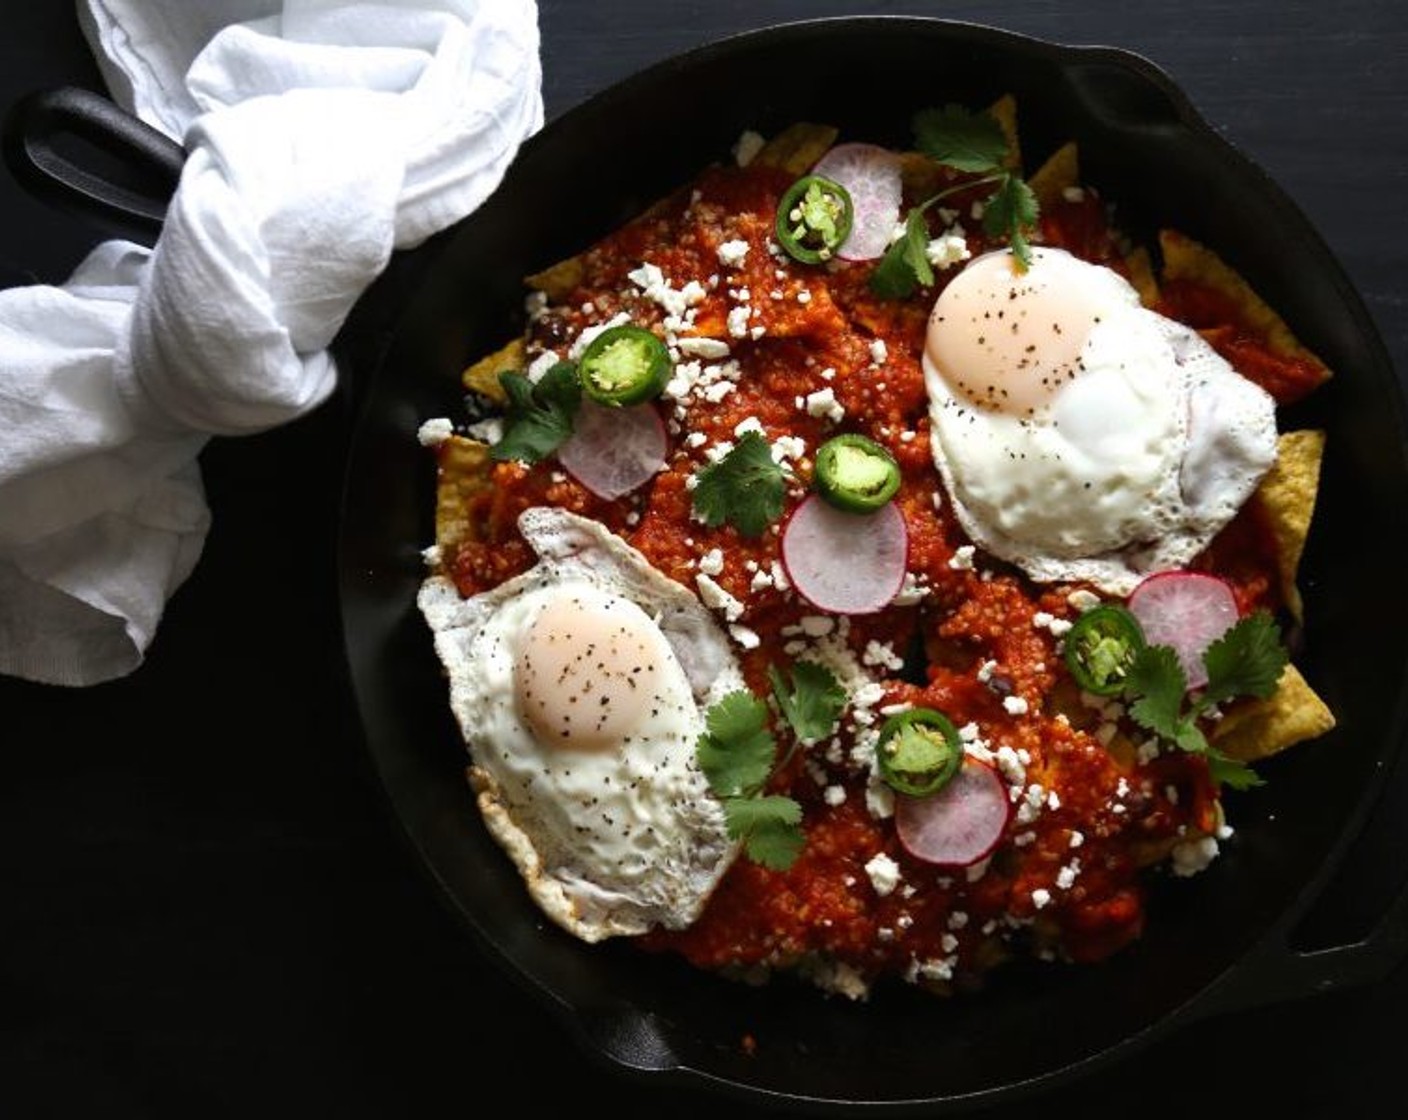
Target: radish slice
x=611, y=451
x=845, y=563
x=1188, y=611
x=871, y=175
x=961, y=823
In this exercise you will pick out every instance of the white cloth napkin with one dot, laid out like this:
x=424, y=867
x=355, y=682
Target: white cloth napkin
x=320, y=137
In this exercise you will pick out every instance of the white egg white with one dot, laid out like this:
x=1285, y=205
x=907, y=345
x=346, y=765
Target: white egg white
x=610, y=842
x=1140, y=456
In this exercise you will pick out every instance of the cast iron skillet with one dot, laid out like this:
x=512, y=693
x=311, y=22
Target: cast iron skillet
x=1215, y=943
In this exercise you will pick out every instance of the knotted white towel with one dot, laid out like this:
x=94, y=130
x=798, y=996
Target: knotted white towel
x=321, y=136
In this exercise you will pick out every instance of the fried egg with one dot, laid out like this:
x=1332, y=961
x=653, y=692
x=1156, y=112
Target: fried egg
x=1080, y=435
x=580, y=687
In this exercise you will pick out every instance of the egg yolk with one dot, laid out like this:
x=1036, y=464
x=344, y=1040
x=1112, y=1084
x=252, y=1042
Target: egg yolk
x=586, y=670
x=1006, y=340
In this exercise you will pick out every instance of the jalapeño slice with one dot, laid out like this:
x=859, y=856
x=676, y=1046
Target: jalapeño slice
x=1101, y=647
x=855, y=473
x=814, y=219
x=624, y=365
x=919, y=751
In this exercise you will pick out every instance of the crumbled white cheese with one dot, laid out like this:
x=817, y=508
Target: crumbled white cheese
x=962, y=558
x=1015, y=705
x=745, y=637
x=823, y=403
x=738, y=321
x=881, y=653
x=712, y=562
x=489, y=430
x=707, y=348
x=732, y=253
x=1041, y=897
x=435, y=431
x=747, y=147
x=1193, y=856
x=911, y=591
x=884, y=873
x=834, y=795
x=716, y=598
x=589, y=333
x=1083, y=600
x=878, y=351
x=947, y=249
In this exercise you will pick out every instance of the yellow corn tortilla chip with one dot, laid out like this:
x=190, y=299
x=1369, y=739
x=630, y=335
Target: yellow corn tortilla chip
x=1186, y=259
x=1261, y=728
x=465, y=471
x=557, y=281
x=1141, y=275
x=483, y=376
x=1060, y=171
x=796, y=147
x=1004, y=111
x=1287, y=497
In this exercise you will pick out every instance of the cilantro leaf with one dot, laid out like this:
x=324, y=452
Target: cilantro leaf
x=968, y=142
x=1156, y=677
x=813, y=702
x=773, y=837
x=1232, y=772
x=1010, y=211
x=745, y=488
x=539, y=417
x=905, y=264
x=737, y=751
x=1248, y=660
x=960, y=138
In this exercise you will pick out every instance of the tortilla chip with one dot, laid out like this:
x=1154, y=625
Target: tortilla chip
x=1287, y=497
x=1004, y=111
x=1060, y=172
x=1261, y=728
x=1141, y=274
x=1186, y=259
x=465, y=471
x=557, y=281
x=483, y=375
x=796, y=147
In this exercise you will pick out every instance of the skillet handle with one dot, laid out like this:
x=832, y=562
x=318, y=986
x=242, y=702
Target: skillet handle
x=40, y=131
x=1276, y=972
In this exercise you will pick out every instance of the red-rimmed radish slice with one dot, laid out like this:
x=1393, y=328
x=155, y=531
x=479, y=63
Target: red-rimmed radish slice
x=1188, y=611
x=871, y=175
x=611, y=450
x=961, y=823
x=845, y=563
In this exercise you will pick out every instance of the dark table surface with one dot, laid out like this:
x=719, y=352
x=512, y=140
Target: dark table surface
x=205, y=910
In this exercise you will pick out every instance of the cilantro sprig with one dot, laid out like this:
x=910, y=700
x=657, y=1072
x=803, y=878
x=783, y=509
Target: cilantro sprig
x=975, y=144
x=539, y=416
x=1246, y=661
x=745, y=488
x=738, y=755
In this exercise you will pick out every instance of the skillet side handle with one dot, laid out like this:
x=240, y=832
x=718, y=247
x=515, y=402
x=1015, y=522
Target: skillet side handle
x=40, y=126
x=1276, y=973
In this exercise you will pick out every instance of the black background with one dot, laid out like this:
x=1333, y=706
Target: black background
x=205, y=910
